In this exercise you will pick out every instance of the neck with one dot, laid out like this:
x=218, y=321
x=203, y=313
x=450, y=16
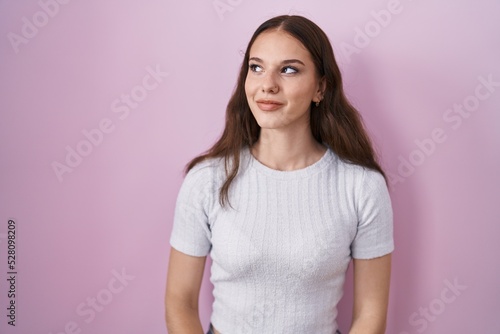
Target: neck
x=287, y=150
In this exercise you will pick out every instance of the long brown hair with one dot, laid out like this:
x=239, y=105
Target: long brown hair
x=335, y=122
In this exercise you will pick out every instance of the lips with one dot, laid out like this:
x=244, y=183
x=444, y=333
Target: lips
x=269, y=105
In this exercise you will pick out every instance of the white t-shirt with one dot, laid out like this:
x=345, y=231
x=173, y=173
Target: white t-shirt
x=279, y=257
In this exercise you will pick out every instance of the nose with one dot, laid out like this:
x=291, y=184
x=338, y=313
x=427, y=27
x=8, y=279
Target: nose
x=270, y=83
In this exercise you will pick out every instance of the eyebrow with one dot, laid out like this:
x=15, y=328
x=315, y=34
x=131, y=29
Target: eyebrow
x=284, y=62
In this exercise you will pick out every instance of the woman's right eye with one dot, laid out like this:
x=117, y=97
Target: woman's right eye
x=255, y=68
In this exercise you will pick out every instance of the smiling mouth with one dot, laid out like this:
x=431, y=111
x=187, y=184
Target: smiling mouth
x=268, y=105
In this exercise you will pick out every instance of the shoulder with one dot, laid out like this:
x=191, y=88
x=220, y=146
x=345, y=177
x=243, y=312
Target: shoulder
x=359, y=179
x=215, y=168
x=204, y=174
x=198, y=190
x=370, y=192
x=205, y=168
x=203, y=182
x=357, y=173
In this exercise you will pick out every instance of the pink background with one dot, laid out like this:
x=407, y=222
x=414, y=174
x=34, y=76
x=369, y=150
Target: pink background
x=113, y=212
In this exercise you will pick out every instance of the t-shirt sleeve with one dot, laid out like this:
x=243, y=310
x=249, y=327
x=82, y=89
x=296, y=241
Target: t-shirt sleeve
x=374, y=237
x=191, y=233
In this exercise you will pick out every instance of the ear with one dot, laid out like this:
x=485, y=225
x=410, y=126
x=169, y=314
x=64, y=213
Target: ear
x=321, y=89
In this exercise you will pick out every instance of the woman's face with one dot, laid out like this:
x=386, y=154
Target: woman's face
x=281, y=81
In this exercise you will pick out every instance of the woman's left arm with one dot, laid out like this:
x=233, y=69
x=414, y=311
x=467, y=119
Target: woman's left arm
x=371, y=295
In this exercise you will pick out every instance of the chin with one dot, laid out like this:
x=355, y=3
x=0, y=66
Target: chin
x=265, y=122
x=270, y=126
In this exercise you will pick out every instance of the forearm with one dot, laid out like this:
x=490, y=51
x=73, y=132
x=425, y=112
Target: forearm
x=371, y=295
x=373, y=325
x=183, y=320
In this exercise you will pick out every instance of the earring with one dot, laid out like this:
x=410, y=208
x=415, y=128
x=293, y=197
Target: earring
x=317, y=103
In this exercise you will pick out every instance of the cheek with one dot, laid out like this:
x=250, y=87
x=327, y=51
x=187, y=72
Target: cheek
x=299, y=94
x=298, y=91
x=249, y=86
x=250, y=94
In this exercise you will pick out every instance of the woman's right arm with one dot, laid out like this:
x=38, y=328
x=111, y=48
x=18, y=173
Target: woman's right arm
x=184, y=277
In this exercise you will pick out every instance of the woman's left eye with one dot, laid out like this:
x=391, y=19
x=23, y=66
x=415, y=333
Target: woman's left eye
x=289, y=70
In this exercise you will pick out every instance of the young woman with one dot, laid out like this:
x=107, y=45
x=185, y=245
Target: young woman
x=288, y=195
